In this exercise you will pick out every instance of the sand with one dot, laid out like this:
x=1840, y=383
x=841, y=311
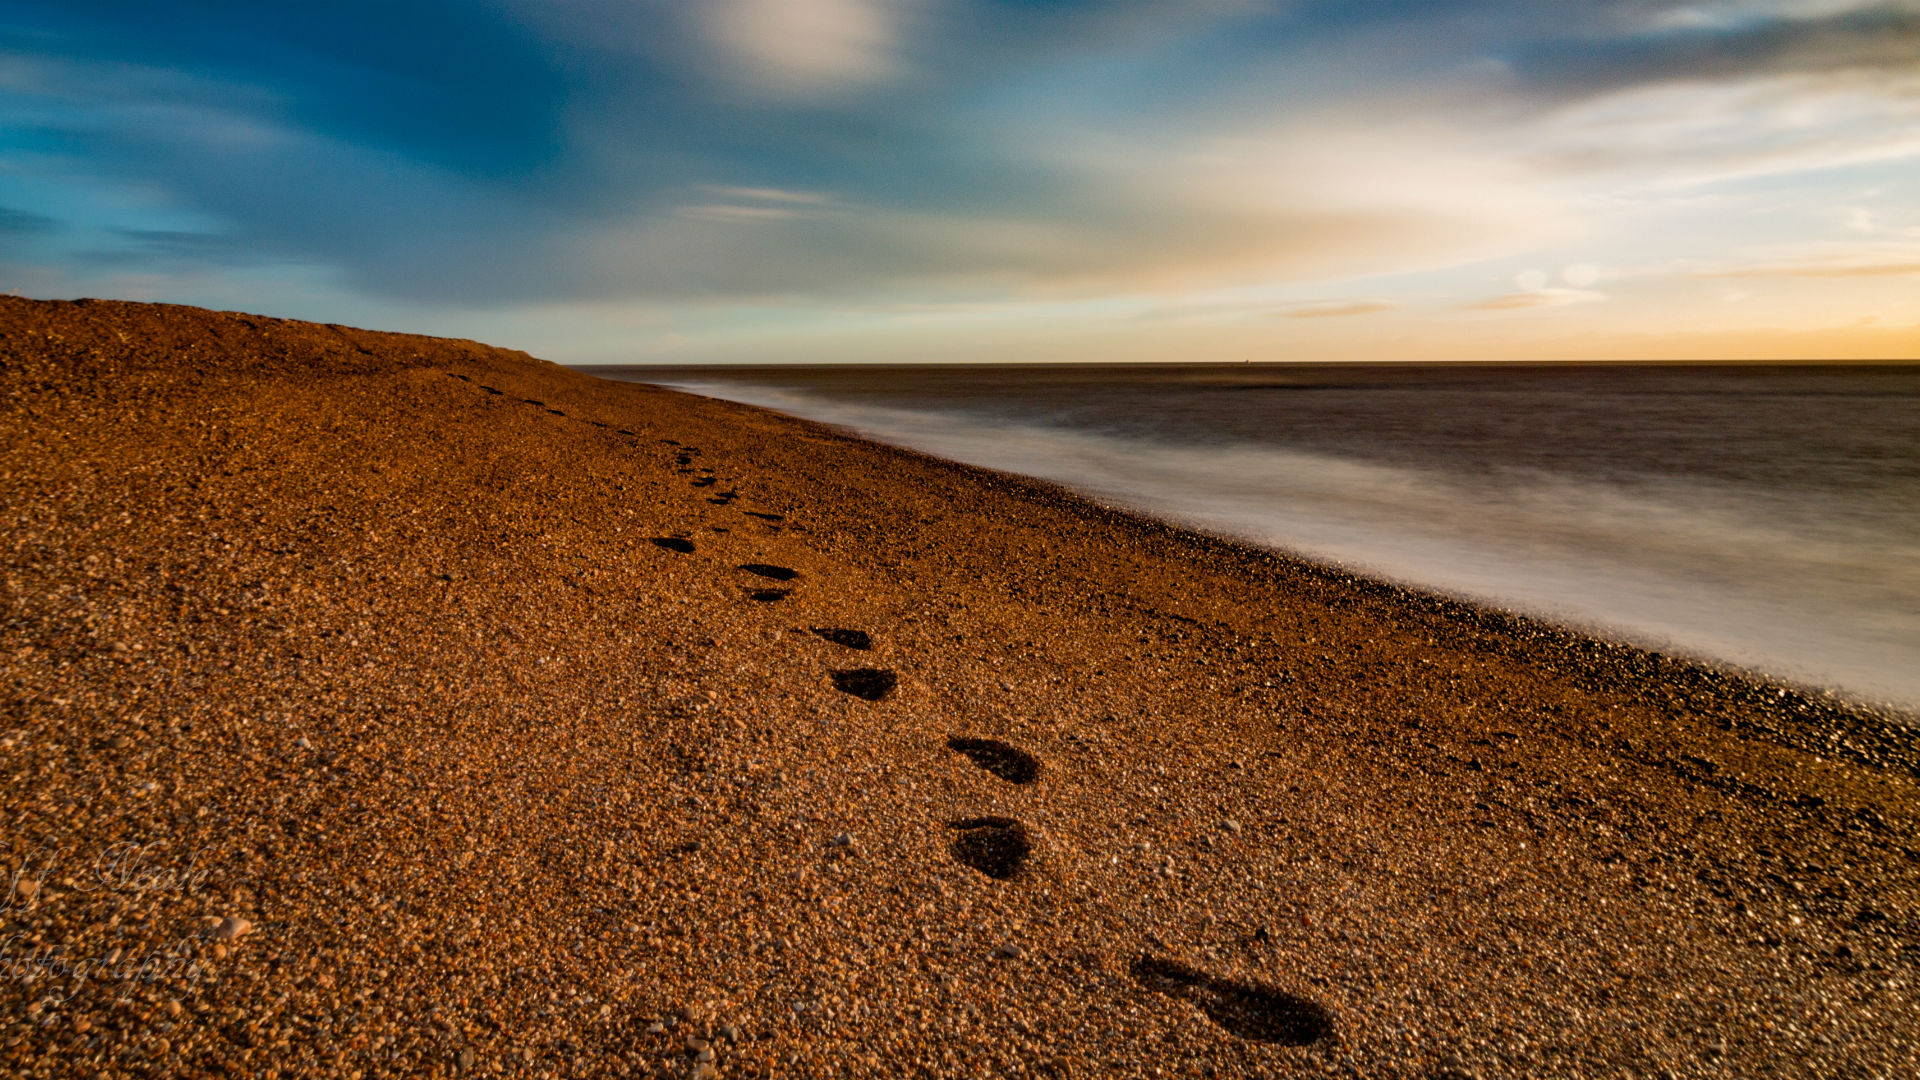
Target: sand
x=383, y=705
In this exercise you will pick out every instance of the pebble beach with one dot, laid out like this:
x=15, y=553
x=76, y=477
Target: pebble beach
x=383, y=705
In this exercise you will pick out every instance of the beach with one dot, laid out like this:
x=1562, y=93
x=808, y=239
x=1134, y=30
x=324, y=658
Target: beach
x=407, y=706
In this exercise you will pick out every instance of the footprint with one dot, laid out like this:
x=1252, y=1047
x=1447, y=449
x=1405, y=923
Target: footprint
x=556, y=412
x=624, y=431
x=869, y=683
x=766, y=517
x=777, y=573
x=996, y=846
x=768, y=596
x=852, y=639
x=457, y=375
x=1009, y=763
x=491, y=390
x=1250, y=1012
x=705, y=481
x=530, y=401
x=674, y=543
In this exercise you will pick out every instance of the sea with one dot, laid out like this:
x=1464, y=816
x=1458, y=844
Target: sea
x=1761, y=517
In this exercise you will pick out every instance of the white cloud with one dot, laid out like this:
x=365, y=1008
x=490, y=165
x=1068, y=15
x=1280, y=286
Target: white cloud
x=805, y=48
x=1536, y=298
x=1684, y=135
x=1726, y=14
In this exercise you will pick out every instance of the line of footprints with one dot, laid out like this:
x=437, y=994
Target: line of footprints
x=1000, y=847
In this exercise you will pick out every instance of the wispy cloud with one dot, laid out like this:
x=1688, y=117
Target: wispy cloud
x=737, y=213
x=1535, y=299
x=1337, y=309
x=1819, y=270
x=807, y=47
x=767, y=195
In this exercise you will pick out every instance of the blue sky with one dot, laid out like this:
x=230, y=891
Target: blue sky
x=658, y=180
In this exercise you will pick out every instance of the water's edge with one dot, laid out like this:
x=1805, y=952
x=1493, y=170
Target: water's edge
x=1746, y=702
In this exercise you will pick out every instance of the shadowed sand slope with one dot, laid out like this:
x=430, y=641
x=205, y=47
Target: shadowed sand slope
x=383, y=705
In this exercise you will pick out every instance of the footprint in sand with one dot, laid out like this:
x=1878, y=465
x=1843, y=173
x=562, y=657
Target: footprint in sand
x=1250, y=1012
x=996, y=846
x=705, y=481
x=852, y=639
x=871, y=684
x=774, y=573
x=768, y=596
x=491, y=390
x=674, y=543
x=1008, y=762
x=765, y=517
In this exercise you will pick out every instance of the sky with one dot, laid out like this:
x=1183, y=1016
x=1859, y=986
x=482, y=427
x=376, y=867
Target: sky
x=711, y=181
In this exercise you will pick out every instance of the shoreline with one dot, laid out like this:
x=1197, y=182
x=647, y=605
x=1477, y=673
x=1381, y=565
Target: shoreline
x=1775, y=706
x=475, y=716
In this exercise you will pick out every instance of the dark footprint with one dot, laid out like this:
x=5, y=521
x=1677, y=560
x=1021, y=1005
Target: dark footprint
x=491, y=390
x=556, y=412
x=869, y=683
x=852, y=639
x=997, y=847
x=766, y=517
x=1009, y=763
x=705, y=481
x=777, y=573
x=456, y=375
x=768, y=596
x=674, y=543
x=530, y=401
x=624, y=431
x=1250, y=1012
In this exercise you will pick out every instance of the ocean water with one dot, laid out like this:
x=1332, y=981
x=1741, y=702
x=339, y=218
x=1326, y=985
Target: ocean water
x=1763, y=517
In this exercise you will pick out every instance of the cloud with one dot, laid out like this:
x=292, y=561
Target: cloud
x=762, y=194
x=1535, y=299
x=22, y=222
x=805, y=48
x=1849, y=38
x=737, y=213
x=1335, y=309
x=1818, y=270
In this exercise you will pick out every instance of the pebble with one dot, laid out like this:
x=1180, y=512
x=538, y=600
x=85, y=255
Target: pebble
x=843, y=840
x=1230, y=825
x=303, y=743
x=232, y=927
x=1009, y=951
